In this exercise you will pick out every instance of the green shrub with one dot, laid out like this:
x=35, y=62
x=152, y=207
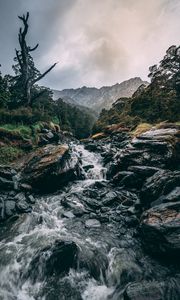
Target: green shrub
x=9, y=153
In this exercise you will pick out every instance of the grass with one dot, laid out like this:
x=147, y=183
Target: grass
x=141, y=128
x=24, y=131
x=9, y=153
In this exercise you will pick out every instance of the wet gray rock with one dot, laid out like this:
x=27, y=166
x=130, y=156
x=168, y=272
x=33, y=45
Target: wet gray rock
x=6, y=184
x=1, y=209
x=160, y=228
x=20, y=197
x=173, y=196
x=54, y=260
x=50, y=168
x=127, y=179
x=30, y=199
x=143, y=171
x=23, y=207
x=9, y=208
x=88, y=167
x=109, y=199
x=25, y=187
x=155, y=148
x=68, y=215
x=124, y=267
x=160, y=184
x=154, y=290
x=92, y=223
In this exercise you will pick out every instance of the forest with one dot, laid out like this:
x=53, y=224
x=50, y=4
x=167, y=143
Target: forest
x=25, y=106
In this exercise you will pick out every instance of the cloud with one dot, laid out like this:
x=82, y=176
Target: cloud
x=99, y=42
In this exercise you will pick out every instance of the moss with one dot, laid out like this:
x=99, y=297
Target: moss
x=23, y=131
x=8, y=154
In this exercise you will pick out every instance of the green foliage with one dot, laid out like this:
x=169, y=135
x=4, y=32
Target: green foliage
x=24, y=131
x=160, y=101
x=73, y=119
x=4, y=91
x=9, y=153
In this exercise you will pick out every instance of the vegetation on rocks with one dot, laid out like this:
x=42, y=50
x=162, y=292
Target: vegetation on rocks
x=9, y=153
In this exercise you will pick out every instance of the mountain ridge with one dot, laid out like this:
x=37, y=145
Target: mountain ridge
x=99, y=98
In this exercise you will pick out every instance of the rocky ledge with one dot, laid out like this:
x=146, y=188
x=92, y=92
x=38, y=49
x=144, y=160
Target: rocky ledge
x=149, y=167
x=46, y=170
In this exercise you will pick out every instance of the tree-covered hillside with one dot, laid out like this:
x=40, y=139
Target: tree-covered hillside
x=160, y=101
x=26, y=108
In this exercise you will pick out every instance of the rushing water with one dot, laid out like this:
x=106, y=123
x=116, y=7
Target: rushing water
x=110, y=255
x=34, y=231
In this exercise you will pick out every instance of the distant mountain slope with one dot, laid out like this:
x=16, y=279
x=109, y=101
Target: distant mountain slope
x=98, y=99
x=157, y=102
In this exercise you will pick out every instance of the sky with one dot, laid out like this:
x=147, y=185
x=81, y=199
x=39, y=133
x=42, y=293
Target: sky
x=95, y=42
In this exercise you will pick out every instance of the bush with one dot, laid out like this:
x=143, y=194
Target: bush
x=8, y=154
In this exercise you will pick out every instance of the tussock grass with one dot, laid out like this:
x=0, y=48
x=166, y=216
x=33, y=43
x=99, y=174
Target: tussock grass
x=141, y=128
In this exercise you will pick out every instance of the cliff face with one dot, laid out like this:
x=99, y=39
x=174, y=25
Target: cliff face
x=97, y=99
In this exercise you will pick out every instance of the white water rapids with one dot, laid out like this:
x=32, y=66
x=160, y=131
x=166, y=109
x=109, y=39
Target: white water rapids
x=32, y=232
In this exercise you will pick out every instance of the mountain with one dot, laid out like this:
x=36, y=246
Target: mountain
x=104, y=97
x=157, y=102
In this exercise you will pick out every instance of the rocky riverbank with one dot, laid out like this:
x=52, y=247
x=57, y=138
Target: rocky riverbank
x=100, y=223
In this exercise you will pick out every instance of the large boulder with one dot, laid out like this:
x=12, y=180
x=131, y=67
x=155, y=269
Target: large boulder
x=160, y=228
x=51, y=167
x=157, y=148
x=159, y=185
x=7, y=177
x=54, y=260
x=153, y=290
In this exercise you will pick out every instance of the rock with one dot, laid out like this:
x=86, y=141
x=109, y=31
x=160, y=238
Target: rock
x=160, y=228
x=20, y=197
x=173, y=196
x=109, y=199
x=68, y=214
x=91, y=203
x=123, y=267
x=31, y=199
x=23, y=207
x=88, y=167
x=51, y=167
x=7, y=172
x=143, y=171
x=54, y=260
x=93, y=260
x=92, y=223
x=145, y=290
x=25, y=187
x=9, y=208
x=154, y=148
x=127, y=179
x=160, y=184
x=50, y=135
x=6, y=184
x=2, y=209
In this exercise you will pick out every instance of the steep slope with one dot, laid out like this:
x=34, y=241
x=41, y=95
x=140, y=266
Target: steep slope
x=97, y=99
x=159, y=101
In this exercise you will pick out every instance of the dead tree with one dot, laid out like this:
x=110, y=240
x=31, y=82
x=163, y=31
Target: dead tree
x=28, y=75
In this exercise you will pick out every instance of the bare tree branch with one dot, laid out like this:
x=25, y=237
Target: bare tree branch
x=18, y=58
x=29, y=75
x=32, y=49
x=44, y=74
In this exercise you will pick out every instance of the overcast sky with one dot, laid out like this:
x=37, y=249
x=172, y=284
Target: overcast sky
x=97, y=42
